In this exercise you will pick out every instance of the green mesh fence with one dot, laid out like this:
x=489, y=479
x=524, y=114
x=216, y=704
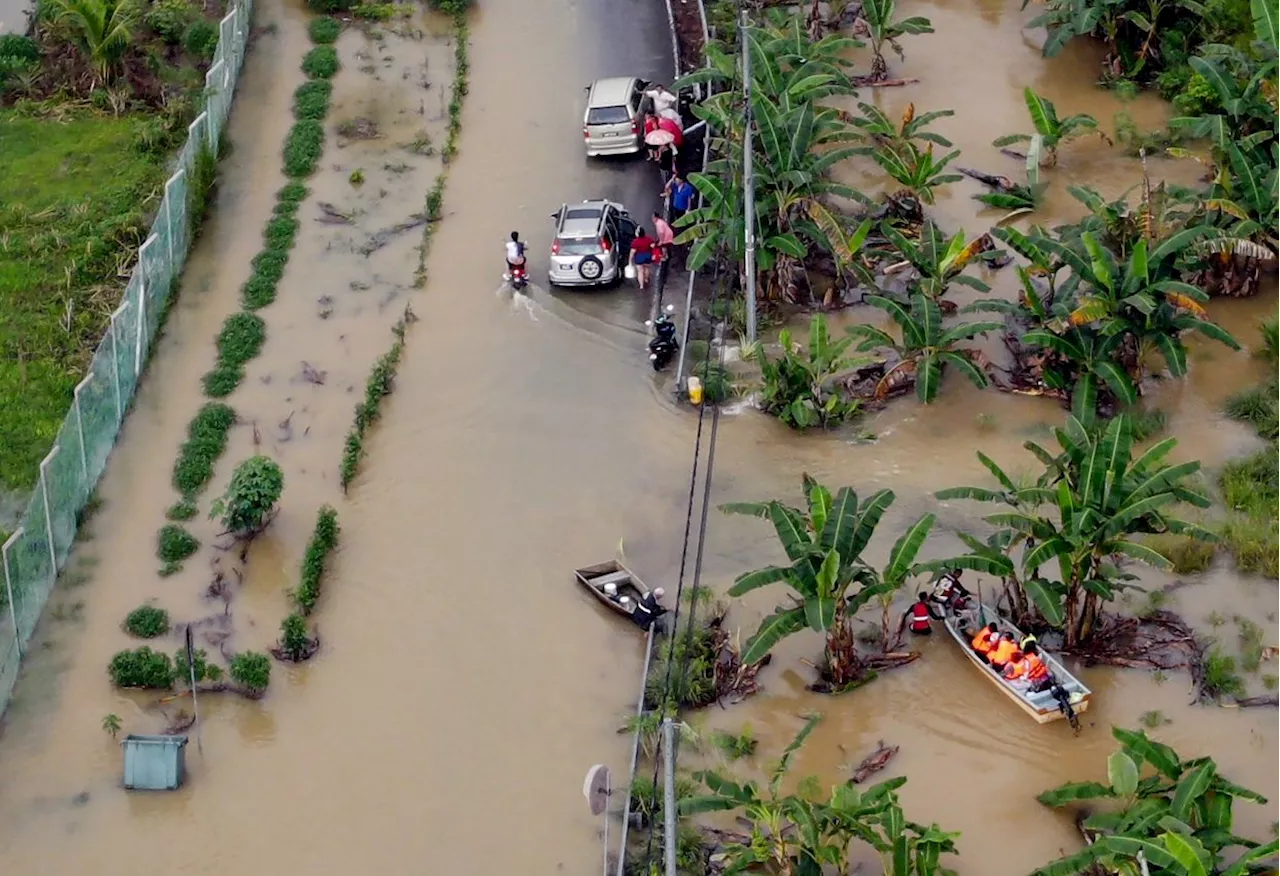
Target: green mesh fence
x=38, y=548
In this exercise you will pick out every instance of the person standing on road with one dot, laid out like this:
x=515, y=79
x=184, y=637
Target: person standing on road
x=681, y=193
x=664, y=234
x=642, y=247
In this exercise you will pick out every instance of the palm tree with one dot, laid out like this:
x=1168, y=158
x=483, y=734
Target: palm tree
x=1177, y=822
x=828, y=579
x=1100, y=497
x=796, y=387
x=926, y=347
x=882, y=30
x=1051, y=131
x=101, y=29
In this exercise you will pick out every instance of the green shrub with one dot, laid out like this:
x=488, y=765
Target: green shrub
x=1220, y=678
x=295, y=641
x=323, y=540
x=324, y=31
x=325, y=7
x=270, y=264
x=169, y=19
x=141, y=668
x=321, y=62
x=280, y=233
x=174, y=544
x=380, y=11
x=205, y=671
x=716, y=383
x=201, y=40
x=257, y=292
x=251, y=496
x=147, y=622
x=222, y=380
x=206, y=440
x=303, y=147
x=19, y=48
x=241, y=338
x=311, y=100
x=290, y=196
x=449, y=7
x=204, y=175
x=251, y=670
x=380, y=383
x=183, y=509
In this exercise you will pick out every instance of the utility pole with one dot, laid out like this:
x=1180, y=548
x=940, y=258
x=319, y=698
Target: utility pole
x=748, y=182
x=670, y=818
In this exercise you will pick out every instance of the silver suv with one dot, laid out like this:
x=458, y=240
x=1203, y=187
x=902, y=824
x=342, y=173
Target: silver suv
x=612, y=122
x=591, y=244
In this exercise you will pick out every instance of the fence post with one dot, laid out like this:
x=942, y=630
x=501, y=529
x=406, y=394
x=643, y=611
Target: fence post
x=48, y=517
x=84, y=454
x=8, y=583
x=142, y=319
x=168, y=219
x=115, y=368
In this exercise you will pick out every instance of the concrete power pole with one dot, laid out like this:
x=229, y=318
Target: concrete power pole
x=748, y=182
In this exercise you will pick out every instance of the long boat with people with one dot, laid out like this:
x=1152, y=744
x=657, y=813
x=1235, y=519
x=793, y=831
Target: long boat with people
x=1056, y=695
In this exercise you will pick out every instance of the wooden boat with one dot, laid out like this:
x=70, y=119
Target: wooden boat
x=594, y=578
x=1044, y=706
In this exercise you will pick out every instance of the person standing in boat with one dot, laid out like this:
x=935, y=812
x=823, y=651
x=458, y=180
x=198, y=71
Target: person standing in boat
x=918, y=616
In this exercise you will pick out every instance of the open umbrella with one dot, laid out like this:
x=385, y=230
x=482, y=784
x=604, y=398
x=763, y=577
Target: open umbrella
x=673, y=128
x=659, y=138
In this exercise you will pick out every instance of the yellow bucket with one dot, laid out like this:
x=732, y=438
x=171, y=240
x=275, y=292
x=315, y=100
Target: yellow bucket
x=695, y=390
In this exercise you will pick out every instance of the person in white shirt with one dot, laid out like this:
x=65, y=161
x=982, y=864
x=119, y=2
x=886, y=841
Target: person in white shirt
x=664, y=102
x=515, y=251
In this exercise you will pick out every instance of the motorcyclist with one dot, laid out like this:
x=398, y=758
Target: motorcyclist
x=515, y=252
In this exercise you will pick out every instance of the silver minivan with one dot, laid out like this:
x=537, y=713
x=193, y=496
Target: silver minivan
x=612, y=123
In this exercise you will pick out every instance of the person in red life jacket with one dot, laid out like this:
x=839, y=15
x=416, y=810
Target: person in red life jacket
x=917, y=617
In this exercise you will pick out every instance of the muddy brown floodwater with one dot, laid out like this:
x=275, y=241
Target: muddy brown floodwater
x=464, y=685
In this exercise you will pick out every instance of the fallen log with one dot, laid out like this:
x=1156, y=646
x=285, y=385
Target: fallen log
x=999, y=183
x=1252, y=702
x=868, y=82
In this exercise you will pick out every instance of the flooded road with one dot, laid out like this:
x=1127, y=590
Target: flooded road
x=464, y=685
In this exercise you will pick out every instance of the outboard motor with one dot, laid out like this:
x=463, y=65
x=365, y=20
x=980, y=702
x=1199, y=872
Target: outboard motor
x=664, y=346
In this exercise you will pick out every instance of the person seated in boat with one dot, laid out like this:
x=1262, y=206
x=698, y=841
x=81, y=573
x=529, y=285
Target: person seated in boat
x=919, y=615
x=1002, y=652
x=1030, y=672
x=986, y=639
x=649, y=609
x=1027, y=641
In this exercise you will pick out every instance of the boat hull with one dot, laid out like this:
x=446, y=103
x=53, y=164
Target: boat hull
x=1042, y=707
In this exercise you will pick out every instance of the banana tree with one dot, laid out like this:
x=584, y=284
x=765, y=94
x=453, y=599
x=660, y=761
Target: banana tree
x=796, y=386
x=917, y=172
x=827, y=577
x=883, y=30
x=797, y=834
x=1051, y=130
x=938, y=261
x=877, y=129
x=926, y=347
x=1099, y=496
x=1176, y=822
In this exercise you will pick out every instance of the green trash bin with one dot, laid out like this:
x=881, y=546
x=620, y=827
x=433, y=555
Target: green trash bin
x=154, y=763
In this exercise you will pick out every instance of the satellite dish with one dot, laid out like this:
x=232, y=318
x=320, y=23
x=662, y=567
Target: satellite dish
x=596, y=788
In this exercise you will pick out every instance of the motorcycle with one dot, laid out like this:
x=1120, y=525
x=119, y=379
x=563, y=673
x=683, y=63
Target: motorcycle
x=517, y=276
x=664, y=346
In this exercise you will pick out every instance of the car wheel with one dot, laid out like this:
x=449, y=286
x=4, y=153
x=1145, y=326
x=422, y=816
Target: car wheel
x=590, y=269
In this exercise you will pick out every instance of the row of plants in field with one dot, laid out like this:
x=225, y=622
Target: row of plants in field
x=1098, y=297
x=244, y=333
x=299, y=642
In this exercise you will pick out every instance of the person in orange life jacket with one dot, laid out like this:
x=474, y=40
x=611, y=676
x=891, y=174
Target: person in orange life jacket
x=918, y=615
x=1030, y=671
x=1002, y=652
x=985, y=639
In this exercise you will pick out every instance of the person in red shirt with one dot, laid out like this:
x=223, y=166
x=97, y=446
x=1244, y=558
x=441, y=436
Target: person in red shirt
x=651, y=125
x=642, y=247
